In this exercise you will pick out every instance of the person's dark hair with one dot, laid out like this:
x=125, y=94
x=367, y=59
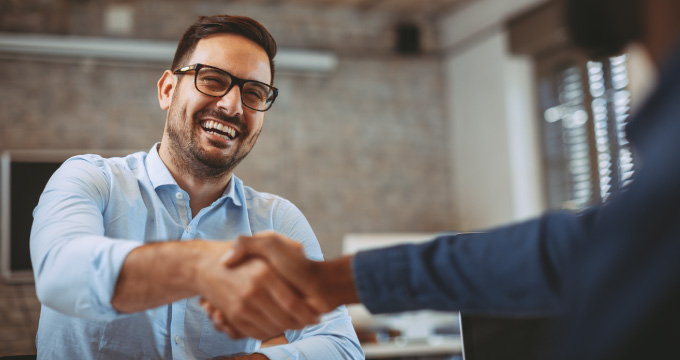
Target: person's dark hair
x=603, y=27
x=223, y=24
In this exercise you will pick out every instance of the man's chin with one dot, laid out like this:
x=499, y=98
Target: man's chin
x=214, y=159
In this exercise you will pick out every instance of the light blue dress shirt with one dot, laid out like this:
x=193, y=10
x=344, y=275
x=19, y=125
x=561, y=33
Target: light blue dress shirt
x=94, y=211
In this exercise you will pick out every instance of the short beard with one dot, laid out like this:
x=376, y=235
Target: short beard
x=190, y=158
x=603, y=28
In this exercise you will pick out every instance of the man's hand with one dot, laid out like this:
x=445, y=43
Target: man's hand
x=252, y=300
x=324, y=285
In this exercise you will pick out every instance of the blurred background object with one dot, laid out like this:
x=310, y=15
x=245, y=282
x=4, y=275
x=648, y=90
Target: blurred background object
x=425, y=334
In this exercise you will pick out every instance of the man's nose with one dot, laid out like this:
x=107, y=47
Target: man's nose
x=231, y=101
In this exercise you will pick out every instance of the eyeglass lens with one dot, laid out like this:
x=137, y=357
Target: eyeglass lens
x=216, y=83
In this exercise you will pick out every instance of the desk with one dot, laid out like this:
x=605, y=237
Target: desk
x=416, y=326
x=443, y=346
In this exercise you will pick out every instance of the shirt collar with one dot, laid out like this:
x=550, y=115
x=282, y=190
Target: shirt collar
x=234, y=191
x=160, y=176
x=156, y=169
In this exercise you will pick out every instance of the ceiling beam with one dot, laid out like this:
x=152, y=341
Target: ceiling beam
x=147, y=51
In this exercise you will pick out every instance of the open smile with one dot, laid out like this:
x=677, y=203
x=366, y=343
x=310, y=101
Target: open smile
x=220, y=130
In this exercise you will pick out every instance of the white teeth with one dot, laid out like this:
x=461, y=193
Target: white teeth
x=219, y=135
x=210, y=124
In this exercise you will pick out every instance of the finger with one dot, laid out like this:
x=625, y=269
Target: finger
x=297, y=311
x=253, y=323
x=207, y=306
x=237, y=253
x=221, y=324
x=285, y=255
x=265, y=313
x=255, y=313
x=278, y=237
x=280, y=302
x=231, y=332
x=257, y=245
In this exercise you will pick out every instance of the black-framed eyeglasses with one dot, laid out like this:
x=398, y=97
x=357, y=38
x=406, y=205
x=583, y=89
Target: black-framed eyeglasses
x=216, y=82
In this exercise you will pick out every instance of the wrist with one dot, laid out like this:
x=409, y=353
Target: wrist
x=156, y=274
x=337, y=282
x=206, y=257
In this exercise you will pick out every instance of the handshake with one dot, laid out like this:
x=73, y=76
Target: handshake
x=275, y=287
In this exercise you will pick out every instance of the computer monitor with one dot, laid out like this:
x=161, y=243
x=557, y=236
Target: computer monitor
x=501, y=338
x=23, y=176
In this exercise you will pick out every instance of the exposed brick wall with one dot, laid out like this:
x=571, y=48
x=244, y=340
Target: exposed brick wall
x=361, y=149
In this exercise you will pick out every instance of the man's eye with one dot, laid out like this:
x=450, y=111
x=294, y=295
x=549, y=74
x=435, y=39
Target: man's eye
x=253, y=94
x=212, y=81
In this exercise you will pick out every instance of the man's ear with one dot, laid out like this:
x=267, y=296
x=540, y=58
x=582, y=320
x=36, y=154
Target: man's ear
x=166, y=87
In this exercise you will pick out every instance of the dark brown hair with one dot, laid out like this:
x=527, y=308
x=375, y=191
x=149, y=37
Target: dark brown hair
x=224, y=24
x=604, y=27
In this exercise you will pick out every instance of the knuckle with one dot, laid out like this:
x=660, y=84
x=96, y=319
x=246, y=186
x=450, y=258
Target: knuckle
x=290, y=304
x=262, y=272
x=250, y=292
x=236, y=310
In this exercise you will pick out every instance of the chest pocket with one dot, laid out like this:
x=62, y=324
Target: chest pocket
x=130, y=337
x=215, y=343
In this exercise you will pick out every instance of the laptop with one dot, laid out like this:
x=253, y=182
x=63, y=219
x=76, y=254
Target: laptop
x=501, y=338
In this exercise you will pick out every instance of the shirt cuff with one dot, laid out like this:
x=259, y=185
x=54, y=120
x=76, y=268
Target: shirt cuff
x=382, y=279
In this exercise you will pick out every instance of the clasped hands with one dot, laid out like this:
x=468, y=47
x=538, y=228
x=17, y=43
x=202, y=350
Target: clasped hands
x=273, y=287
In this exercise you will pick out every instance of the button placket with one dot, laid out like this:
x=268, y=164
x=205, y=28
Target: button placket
x=182, y=208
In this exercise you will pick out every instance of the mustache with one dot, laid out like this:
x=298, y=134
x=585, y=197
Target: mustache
x=235, y=120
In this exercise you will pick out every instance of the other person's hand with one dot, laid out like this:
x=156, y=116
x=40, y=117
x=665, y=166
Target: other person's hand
x=251, y=300
x=323, y=284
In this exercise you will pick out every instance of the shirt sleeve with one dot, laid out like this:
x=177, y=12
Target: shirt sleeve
x=75, y=265
x=513, y=270
x=334, y=337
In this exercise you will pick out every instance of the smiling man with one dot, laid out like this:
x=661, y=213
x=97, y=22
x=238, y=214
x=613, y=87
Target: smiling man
x=124, y=248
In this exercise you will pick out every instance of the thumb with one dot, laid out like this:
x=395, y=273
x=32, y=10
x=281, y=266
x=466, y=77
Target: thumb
x=238, y=252
x=285, y=255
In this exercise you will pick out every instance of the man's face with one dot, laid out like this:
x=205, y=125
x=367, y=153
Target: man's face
x=603, y=27
x=209, y=136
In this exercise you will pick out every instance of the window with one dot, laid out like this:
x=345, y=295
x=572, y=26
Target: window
x=585, y=107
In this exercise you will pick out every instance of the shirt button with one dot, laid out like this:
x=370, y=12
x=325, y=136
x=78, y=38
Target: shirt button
x=177, y=339
x=189, y=228
x=179, y=196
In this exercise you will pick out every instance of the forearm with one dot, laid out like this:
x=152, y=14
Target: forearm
x=515, y=269
x=77, y=277
x=332, y=338
x=336, y=283
x=160, y=273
